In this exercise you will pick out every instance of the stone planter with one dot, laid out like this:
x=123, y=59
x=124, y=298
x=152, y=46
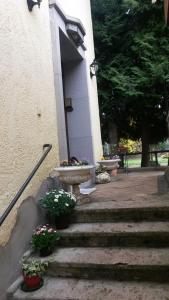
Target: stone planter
x=110, y=165
x=74, y=176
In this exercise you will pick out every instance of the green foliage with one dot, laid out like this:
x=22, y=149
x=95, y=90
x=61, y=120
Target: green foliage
x=34, y=268
x=132, y=48
x=58, y=202
x=100, y=169
x=45, y=237
x=73, y=163
x=132, y=146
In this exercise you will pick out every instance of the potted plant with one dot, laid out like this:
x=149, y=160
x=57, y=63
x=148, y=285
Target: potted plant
x=74, y=162
x=59, y=206
x=110, y=163
x=32, y=274
x=44, y=239
x=101, y=175
x=74, y=172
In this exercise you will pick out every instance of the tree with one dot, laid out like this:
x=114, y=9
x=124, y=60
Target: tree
x=132, y=48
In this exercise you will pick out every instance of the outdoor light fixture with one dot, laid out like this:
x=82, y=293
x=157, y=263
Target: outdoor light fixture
x=32, y=3
x=94, y=68
x=68, y=104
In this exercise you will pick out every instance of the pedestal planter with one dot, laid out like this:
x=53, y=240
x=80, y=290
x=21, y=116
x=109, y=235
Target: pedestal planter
x=74, y=176
x=110, y=165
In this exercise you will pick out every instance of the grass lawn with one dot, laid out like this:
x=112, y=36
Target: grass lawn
x=136, y=161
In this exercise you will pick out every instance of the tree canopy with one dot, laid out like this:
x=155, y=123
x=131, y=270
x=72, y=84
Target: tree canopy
x=132, y=48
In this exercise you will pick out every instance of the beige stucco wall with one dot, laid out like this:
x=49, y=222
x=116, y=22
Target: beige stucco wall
x=81, y=9
x=27, y=101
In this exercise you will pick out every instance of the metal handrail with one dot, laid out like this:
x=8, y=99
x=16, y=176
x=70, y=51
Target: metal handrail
x=23, y=187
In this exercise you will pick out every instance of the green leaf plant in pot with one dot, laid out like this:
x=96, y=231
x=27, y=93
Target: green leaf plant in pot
x=32, y=274
x=59, y=206
x=44, y=239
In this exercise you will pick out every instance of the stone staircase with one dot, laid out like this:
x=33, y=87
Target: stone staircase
x=112, y=251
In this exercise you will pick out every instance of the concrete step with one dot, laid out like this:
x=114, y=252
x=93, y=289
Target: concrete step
x=149, y=234
x=109, y=212
x=73, y=289
x=139, y=264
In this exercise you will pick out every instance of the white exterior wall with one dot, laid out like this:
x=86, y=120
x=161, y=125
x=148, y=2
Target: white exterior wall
x=30, y=101
x=27, y=101
x=81, y=9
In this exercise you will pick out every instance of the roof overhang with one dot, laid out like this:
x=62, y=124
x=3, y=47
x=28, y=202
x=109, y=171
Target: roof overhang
x=74, y=27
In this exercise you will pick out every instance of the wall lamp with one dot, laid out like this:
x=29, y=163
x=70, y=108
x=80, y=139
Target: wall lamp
x=94, y=68
x=32, y=3
x=68, y=104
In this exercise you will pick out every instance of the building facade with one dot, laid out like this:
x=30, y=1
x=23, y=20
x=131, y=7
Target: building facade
x=73, y=53
x=47, y=96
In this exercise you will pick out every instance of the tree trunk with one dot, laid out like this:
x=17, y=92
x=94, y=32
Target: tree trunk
x=113, y=136
x=166, y=11
x=145, y=147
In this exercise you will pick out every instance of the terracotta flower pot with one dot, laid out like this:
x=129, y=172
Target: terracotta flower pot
x=32, y=282
x=114, y=173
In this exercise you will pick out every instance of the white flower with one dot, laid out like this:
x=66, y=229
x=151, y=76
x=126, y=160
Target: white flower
x=55, y=200
x=66, y=204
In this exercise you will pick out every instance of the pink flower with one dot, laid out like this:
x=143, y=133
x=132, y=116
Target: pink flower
x=38, y=232
x=50, y=230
